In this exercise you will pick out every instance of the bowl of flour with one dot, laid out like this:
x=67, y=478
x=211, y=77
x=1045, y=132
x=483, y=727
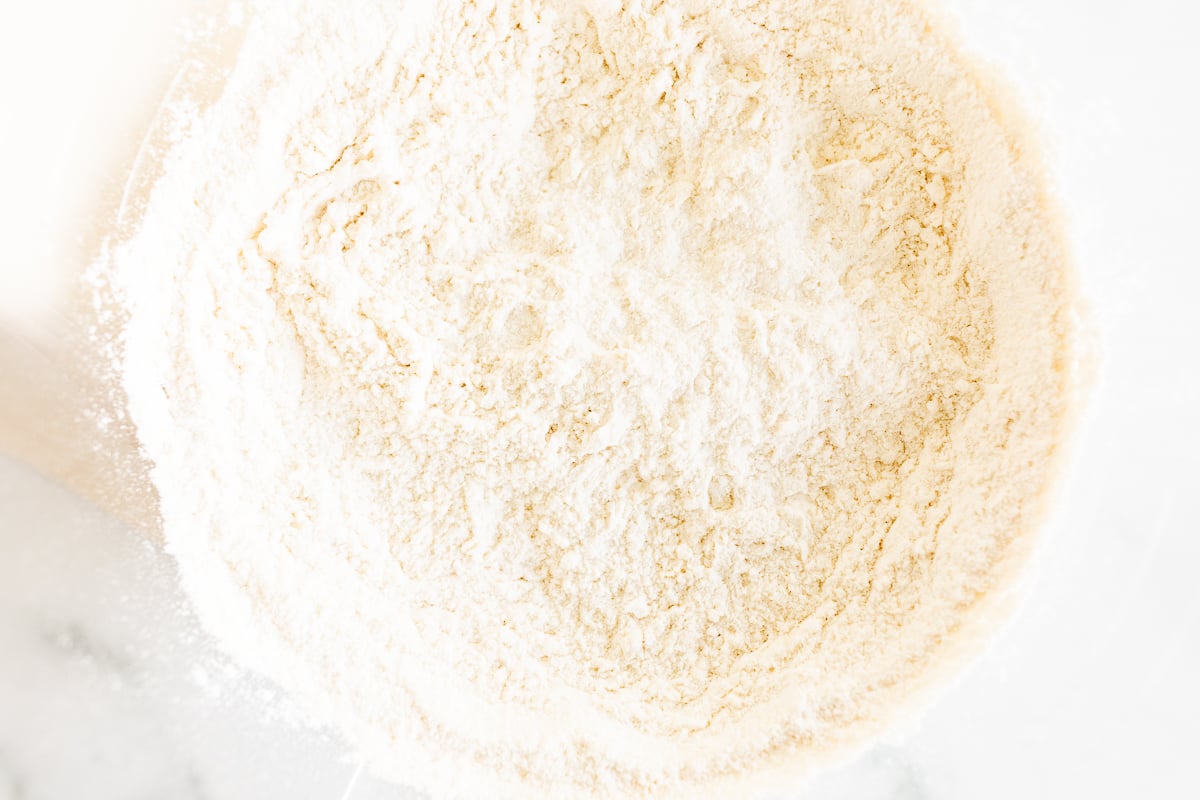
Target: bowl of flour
x=596, y=399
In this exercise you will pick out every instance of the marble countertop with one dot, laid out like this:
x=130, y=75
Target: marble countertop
x=109, y=691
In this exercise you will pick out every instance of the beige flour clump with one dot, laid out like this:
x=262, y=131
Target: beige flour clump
x=597, y=399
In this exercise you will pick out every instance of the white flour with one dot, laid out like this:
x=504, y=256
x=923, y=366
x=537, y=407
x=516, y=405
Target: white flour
x=568, y=401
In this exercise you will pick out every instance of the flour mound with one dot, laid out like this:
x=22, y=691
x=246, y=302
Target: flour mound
x=597, y=399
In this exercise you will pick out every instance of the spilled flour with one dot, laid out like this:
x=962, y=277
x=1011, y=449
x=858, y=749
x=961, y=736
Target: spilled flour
x=597, y=399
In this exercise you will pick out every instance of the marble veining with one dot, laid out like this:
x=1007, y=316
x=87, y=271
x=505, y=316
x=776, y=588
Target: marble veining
x=75, y=643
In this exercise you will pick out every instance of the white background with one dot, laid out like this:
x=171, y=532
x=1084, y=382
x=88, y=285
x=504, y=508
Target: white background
x=108, y=691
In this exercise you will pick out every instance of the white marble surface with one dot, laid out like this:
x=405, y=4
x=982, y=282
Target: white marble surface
x=109, y=692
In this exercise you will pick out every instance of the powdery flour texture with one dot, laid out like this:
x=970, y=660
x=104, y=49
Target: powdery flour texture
x=598, y=399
